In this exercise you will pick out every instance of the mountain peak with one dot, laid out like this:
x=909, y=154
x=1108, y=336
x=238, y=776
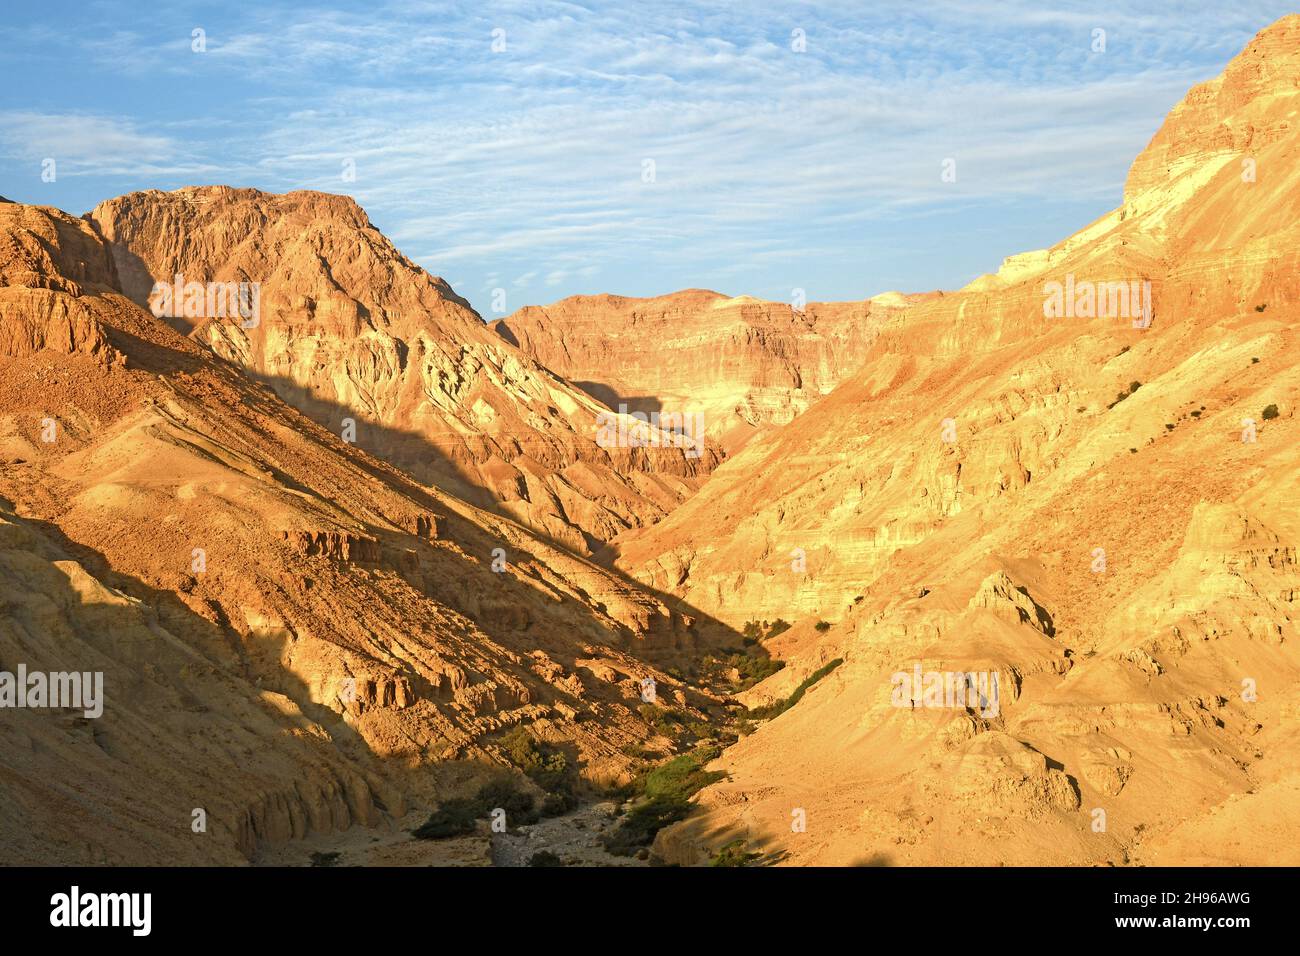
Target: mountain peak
x=1250, y=105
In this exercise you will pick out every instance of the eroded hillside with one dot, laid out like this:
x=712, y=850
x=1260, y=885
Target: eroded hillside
x=744, y=364
x=349, y=328
x=294, y=636
x=1096, y=505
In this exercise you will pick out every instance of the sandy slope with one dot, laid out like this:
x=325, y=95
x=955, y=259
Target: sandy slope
x=944, y=552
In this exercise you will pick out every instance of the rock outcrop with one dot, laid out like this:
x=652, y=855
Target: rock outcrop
x=354, y=334
x=743, y=363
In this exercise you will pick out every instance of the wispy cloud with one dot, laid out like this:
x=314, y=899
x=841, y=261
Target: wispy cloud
x=559, y=145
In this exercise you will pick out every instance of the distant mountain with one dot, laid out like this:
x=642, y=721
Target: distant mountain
x=745, y=364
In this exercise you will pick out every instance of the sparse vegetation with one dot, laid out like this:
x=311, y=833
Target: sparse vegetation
x=1260, y=308
x=545, y=766
x=776, y=710
x=1270, y=411
x=325, y=859
x=665, y=722
x=544, y=858
x=665, y=797
x=738, y=669
x=734, y=854
x=1120, y=396
x=458, y=816
x=823, y=626
x=763, y=631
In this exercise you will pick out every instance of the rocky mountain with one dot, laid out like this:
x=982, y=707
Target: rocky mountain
x=347, y=328
x=294, y=637
x=744, y=363
x=1078, y=473
x=1027, y=549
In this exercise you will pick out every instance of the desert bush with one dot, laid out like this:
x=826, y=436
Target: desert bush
x=666, y=793
x=777, y=709
x=545, y=766
x=1270, y=411
x=544, y=858
x=734, y=854
x=458, y=816
x=753, y=668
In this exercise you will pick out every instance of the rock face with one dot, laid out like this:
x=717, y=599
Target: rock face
x=43, y=262
x=294, y=636
x=346, y=328
x=746, y=364
x=1096, y=505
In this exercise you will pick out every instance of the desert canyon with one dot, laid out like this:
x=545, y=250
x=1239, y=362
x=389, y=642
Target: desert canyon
x=360, y=573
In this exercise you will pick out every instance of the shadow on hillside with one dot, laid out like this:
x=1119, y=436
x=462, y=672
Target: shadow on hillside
x=612, y=399
x=598, y=390
x=407, y=461
x=197, y=663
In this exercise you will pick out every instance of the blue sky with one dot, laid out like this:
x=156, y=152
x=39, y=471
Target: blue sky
x=524, y=168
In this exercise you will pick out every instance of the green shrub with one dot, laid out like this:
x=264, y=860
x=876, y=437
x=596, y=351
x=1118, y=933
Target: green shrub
x=776, y=710
x=666, y=793
x=544, y=858
x=458, y=816
x=454, y=818
x=1270, y=411
x=545, y=766
x=734, y=854
x=753, y=668
x=823, y=626
x=699, y=729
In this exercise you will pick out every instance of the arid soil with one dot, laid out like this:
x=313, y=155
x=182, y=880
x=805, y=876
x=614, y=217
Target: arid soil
x=1072, y=482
